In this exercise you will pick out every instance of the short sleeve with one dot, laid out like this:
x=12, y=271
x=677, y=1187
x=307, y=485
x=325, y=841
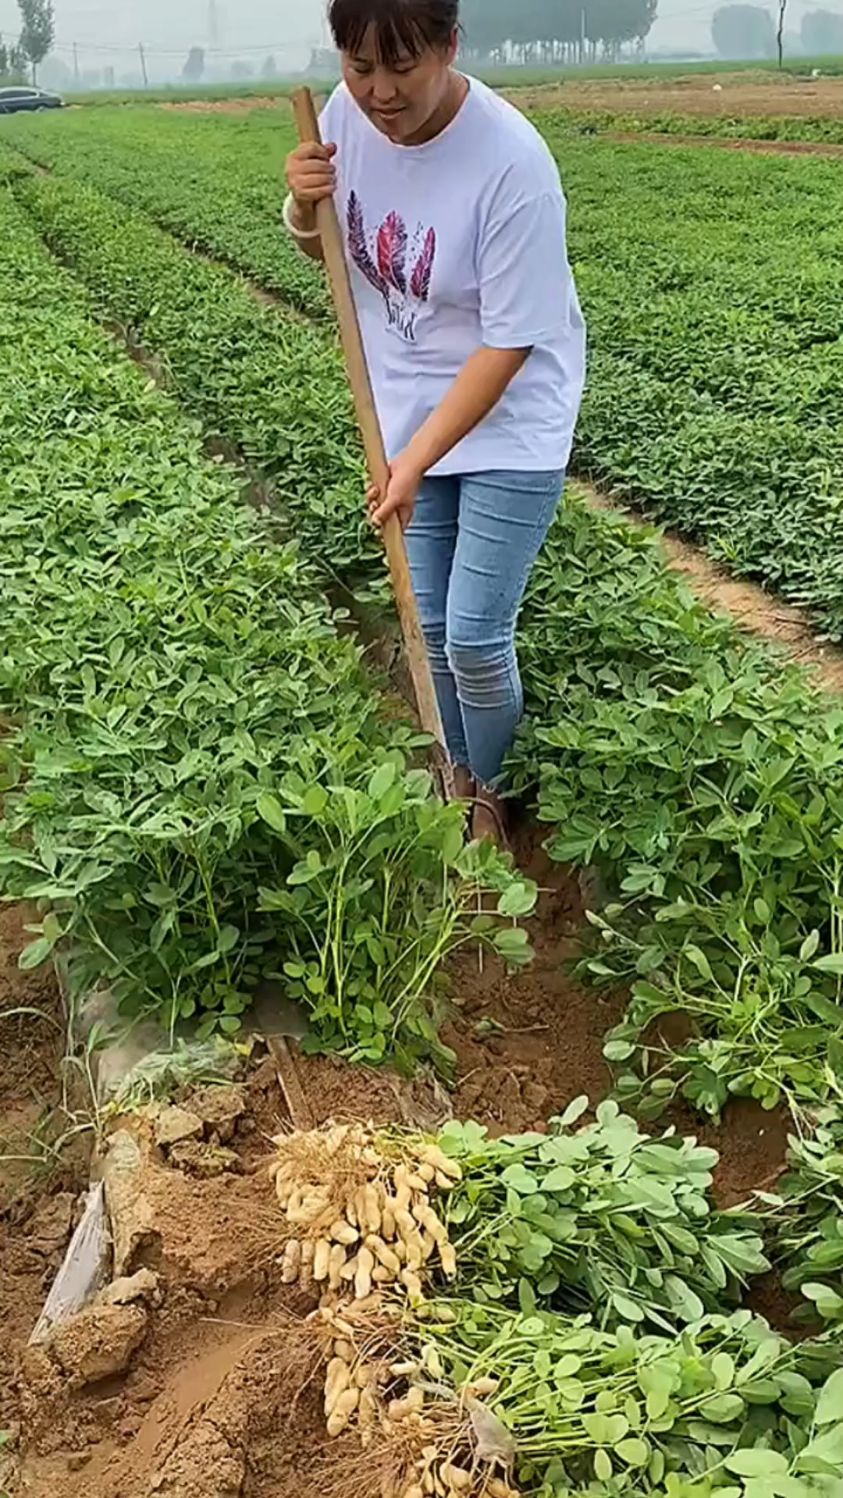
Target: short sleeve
x=525, y=279
x=330, y=117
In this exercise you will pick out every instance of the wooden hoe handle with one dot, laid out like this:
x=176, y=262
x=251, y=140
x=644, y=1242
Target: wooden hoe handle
x=376, y=460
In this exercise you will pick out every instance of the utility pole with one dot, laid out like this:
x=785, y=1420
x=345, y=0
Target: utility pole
x=780, y=32
x=582, y=35
x=142, y=56
x=76, y=62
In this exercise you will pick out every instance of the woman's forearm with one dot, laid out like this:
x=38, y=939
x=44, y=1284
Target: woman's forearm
x=475, y=392
x=304, y=217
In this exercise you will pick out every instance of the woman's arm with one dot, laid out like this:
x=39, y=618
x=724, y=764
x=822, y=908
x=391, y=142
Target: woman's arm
x=475, y=392
x=311, y=176
x=304, y=218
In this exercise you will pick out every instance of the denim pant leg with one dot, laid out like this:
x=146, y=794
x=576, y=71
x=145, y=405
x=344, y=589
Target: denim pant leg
x=431, y=543
x=503, y=521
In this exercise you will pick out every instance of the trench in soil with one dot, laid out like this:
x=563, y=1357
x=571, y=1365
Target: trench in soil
x=203, y=1409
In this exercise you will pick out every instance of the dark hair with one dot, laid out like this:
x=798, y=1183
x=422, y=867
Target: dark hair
x=402, y=27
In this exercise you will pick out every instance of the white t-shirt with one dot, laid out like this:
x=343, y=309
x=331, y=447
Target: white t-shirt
x=455, y=244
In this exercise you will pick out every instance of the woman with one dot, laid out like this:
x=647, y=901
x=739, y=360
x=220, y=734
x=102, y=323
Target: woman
x=455, y=233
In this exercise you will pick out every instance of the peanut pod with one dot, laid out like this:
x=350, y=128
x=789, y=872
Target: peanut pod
x=386, y=1256
x=342, y=1232
x=425, y=1214
x=412, y=1284
x=481, y=1387
x=448, y=1260
x=388, y=1218
x=411, y=1404
x=321, y=1259
x=408, y=1231
x=455, y=1477
x=342, y=1411
x=337, y=1379
x=363, y=1275
x=367, y=1412
x=336, y=1263
x=436, y=1157
x=291, y=1262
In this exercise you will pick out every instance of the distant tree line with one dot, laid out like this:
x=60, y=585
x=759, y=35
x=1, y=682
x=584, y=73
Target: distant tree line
x=12, y=63
x=749, y=31
x=542, y=31
x=822, y=32
x=37, y=32
x=35, y=40
x=194, y=68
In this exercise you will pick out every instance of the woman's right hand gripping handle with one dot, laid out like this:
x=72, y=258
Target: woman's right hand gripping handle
x=311, y=176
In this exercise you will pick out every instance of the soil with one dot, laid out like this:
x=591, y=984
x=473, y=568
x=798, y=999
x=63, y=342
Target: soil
x=185, y=1392
x=738, y=143
x=755, y=610
x=528, y=1044
x=33, y=1043
x=226, y=106
x=761, y=613
x=731, y=95
x=37, y=1184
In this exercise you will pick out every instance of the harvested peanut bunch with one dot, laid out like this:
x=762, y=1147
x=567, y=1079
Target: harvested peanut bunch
x=360, y=1207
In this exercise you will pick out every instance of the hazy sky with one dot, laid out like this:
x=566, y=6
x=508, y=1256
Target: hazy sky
x=252, y=28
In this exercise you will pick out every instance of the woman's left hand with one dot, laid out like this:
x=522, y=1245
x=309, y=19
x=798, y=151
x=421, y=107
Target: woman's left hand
x=401, y=492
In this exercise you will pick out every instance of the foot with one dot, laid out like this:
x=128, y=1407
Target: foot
x=490, y=818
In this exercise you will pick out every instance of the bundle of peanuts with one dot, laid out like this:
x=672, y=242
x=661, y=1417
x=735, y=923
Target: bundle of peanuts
x=360, y=1386
x=364, y=1232
x=359, y=1220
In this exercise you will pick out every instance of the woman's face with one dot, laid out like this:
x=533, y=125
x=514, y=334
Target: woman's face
x=401, y=99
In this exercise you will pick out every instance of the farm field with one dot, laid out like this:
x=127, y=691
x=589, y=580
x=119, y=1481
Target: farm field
x=208, y=784
x=725, y=364
x=802, y=71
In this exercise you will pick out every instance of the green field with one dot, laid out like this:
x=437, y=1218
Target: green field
x=207, y=784
x=817, y=130
x=714, y=402
x=715, y=392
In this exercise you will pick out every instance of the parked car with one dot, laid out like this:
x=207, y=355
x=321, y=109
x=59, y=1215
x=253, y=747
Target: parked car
x=17, y=97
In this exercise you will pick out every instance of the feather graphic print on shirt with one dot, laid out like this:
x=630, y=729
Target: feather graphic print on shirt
x=384, y=264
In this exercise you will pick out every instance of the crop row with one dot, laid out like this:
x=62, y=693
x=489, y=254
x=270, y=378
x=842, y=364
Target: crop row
x=818, y=129
x=700, y=774
x=714, y=291
x=212, y=180
x=715, y=399
x=201, y=781
x=572, y=1320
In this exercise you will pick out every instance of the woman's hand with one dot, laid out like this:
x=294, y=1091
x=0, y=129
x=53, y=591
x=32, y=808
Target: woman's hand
x=311, y=174
x=401, y=492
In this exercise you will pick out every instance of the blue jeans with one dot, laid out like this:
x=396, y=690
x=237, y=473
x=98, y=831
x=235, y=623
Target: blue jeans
x=472, y=543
